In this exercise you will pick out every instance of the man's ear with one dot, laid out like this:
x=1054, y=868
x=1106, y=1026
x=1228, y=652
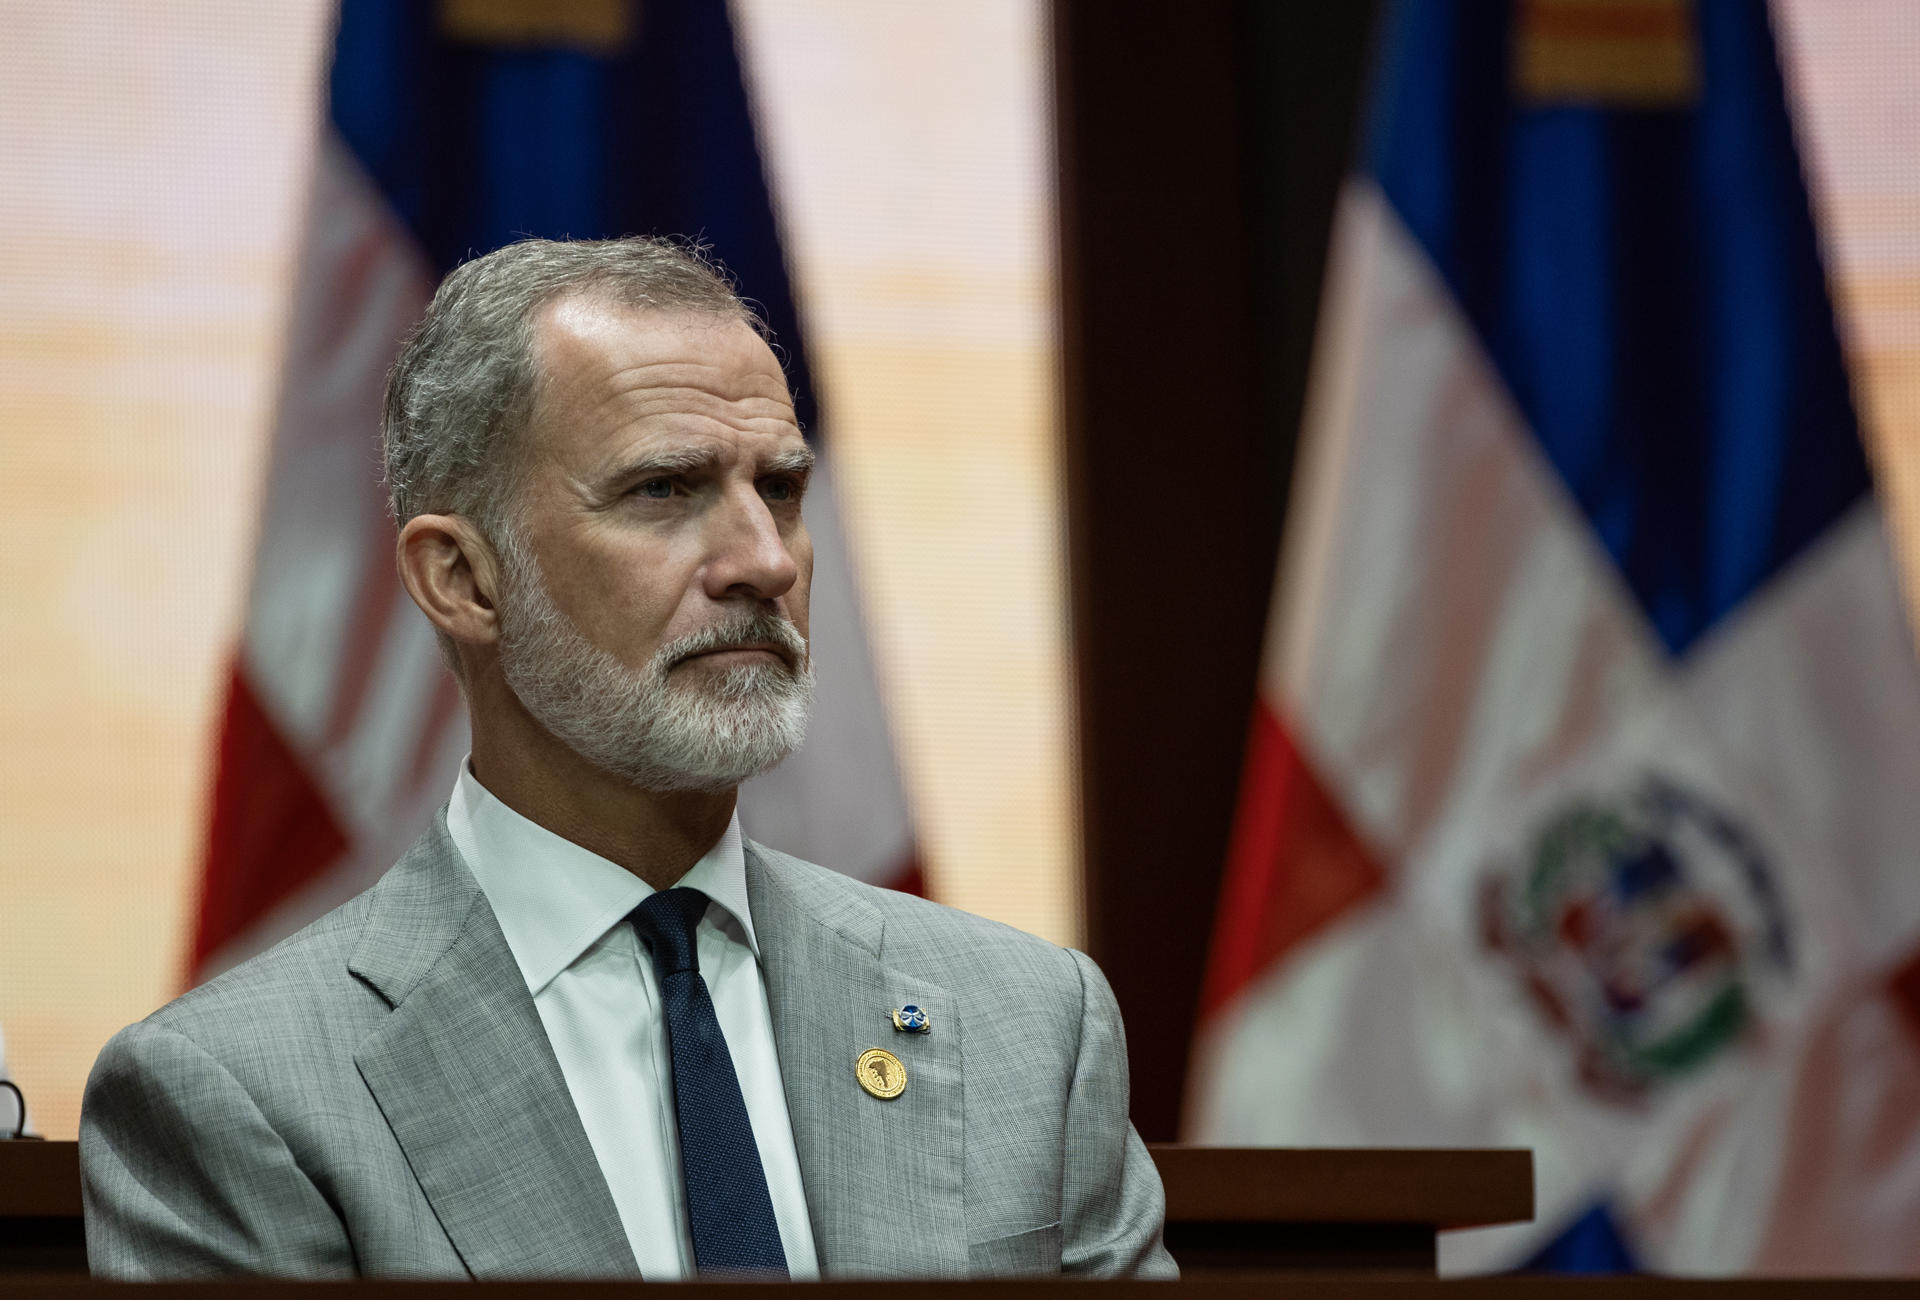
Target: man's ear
x=453, y=575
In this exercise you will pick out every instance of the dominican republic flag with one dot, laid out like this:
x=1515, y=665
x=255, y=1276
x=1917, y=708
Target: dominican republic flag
x=454, y=127
x=1582, y=805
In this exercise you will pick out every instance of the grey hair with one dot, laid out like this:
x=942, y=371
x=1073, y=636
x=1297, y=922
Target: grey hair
x=462, y=390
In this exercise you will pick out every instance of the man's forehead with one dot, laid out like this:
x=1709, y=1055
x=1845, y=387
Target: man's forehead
x=584, y=337
x=623, y=387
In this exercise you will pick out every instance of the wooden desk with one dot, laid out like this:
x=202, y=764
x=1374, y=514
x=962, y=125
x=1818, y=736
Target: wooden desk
x=1227, y=1208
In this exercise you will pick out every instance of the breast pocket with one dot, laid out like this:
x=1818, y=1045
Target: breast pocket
x=1036, y=1250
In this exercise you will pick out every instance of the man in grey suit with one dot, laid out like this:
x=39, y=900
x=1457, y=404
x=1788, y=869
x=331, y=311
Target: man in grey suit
x=584, y=1028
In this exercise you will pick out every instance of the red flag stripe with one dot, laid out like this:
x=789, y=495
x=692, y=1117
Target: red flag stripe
x=908, y=878
x=271, y=830
x=1904, y=985
x=1294, y=864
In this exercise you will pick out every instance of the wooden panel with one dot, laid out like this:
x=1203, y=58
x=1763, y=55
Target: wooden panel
x=1440, y=1188
x=1444, y=1188
x=39, y=1179
x=41, y=1232
x=1199, y=150
x=1167, y=485
x=1407, y=1250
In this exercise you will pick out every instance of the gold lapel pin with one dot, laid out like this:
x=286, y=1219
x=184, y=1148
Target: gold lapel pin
x=881, y=1073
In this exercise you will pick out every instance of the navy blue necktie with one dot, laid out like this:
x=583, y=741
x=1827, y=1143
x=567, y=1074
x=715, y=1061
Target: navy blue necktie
x=734, y=1230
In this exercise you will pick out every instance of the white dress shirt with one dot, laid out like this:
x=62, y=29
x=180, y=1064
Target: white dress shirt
x=563, y=910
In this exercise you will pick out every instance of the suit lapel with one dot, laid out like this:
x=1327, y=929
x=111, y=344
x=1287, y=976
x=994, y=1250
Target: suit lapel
x=464, y=1074
x=883, y=1178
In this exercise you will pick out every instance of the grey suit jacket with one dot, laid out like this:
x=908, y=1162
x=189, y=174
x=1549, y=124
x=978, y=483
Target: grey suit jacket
x=376, y=1095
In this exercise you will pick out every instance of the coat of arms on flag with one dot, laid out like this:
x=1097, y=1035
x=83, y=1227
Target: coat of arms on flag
x=1579, y=809
x=1647, y=927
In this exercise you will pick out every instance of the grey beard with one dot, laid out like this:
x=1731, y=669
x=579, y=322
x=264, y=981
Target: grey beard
x=638, y=724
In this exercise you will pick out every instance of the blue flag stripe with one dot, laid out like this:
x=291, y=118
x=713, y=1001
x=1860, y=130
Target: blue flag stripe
x=1591, y=1243
x=477, y=145
x=1647, y=282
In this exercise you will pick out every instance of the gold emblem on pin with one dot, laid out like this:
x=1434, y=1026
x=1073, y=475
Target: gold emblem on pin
x=881, y=1073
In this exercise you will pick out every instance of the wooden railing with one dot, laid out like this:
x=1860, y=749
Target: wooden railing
x=1228, y=1209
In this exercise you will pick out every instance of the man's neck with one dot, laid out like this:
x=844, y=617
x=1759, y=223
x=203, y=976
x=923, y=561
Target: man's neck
x=658, y=836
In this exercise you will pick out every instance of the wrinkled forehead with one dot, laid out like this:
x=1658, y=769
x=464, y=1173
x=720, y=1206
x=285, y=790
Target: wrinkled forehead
x=606, y=372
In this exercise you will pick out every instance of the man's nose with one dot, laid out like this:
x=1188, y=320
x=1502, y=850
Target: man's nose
x=747, y=553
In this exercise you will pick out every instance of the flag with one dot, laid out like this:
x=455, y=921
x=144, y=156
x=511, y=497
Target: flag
x=454, y=127
x=1582, y=797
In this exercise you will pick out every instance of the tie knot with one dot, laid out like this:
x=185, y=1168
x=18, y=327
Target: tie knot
x=666, y=922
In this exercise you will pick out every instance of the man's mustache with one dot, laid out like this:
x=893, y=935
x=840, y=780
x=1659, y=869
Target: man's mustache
x=746, y=632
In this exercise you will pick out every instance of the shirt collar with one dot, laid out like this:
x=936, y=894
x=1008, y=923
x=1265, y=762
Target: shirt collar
x=555, y=900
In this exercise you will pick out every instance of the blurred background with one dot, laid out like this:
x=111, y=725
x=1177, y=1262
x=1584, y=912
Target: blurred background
x=1060, y=275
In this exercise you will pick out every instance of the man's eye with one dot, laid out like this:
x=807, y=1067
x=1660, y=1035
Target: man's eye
x=656, y=489
x=781, y=490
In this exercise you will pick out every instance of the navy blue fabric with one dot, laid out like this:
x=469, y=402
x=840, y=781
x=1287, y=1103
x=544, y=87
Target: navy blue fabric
x=1648, y=284
x=1592, y=1243
x=728, y=1205
x=478, y=145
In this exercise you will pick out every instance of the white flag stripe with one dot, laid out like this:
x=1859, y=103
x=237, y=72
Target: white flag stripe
x=1450, y=628
x=1379, y=1032
x=1801, y=687
x=361, y=285
x=367, y=773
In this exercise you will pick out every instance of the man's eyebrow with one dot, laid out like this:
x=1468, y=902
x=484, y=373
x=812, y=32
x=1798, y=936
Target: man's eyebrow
x=687, y=460
x=681, y=460
x=794, y=460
